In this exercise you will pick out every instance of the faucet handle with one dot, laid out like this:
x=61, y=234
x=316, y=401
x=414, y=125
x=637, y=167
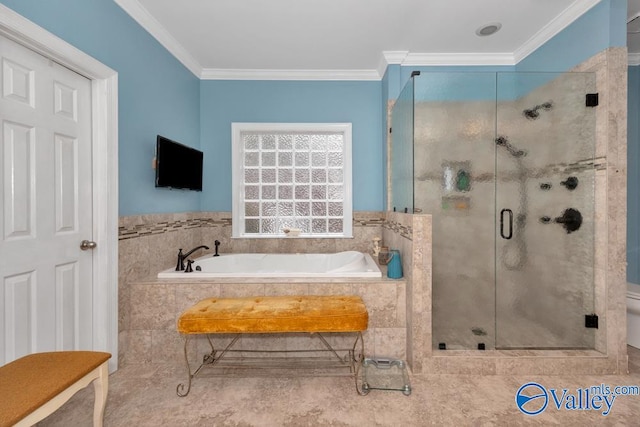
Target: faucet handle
x=189, y=269
x=180, y=265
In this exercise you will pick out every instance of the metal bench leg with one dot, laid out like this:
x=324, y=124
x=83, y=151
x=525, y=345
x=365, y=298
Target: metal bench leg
x=208, y=359
x=357, y=363
x=180, y=389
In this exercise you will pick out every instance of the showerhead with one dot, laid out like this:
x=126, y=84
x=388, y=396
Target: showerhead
x=502, y=141
x=533, y=113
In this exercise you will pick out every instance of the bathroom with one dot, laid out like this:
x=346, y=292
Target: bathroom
x=154, y=223
x=368, y=223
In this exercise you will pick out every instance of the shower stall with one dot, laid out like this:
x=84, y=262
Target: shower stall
x=505, y=164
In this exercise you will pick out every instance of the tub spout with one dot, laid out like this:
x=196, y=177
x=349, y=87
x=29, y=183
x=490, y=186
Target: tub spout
x=182, y=257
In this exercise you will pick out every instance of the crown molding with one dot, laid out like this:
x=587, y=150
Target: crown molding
x=406, y=58
x=16, y=27
x=394, y=56
x=391, y=57
x=634, y=59
x=153, y=27
x=426, y=59
x=245, y=74
x=559, y=23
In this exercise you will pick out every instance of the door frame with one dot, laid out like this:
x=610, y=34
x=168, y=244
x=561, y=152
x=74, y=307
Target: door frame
x=104, y=133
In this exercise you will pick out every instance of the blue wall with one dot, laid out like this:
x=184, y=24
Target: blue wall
x=157, y=94
x=224, y=102
x=633, y=176
x=601, y=27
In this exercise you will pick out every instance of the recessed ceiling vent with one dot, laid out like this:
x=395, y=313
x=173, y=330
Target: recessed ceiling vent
x=488, y=29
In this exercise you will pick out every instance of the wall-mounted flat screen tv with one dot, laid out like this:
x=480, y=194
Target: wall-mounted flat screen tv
x=178, y=166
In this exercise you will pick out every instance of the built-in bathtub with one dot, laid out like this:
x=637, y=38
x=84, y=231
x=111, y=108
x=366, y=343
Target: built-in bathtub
x=348, y=264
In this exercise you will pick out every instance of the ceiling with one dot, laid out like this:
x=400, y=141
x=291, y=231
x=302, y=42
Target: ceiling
x=348, y=39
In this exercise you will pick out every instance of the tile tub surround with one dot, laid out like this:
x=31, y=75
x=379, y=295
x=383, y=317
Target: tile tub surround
x=411, y=234
x=158, y=304
x=149, y=244
x=610, y=67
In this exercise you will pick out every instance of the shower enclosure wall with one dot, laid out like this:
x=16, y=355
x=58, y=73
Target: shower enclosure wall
x=505, y=164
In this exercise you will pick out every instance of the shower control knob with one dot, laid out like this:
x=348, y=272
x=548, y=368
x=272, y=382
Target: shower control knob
x=571, y=183
x=571, y=220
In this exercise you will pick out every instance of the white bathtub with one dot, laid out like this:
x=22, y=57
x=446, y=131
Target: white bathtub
x=343, y=264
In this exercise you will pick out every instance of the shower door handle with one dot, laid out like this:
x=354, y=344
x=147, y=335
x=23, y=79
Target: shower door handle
x=510, y=212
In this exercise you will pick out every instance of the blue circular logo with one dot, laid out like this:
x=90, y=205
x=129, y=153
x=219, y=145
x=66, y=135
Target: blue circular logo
x=532, y=398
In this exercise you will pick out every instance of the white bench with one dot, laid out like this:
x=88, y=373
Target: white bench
x=34, y=386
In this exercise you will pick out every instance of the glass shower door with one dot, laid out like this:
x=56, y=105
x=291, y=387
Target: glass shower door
x=545, y=181
x=402, y=151
x=454, y=172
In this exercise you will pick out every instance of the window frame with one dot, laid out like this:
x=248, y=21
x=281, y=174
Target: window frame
x=238, y=187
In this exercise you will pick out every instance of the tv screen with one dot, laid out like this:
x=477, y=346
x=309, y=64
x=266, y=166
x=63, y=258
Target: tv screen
x=178, y=166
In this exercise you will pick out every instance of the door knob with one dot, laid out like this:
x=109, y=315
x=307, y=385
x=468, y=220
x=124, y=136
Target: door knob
x=85, y=245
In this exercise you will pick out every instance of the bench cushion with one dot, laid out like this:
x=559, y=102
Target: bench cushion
x=323, y=313
x=31, y=381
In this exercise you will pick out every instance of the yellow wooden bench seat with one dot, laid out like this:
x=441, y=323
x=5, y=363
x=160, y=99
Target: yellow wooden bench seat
x=275, y=314
x=34, y=386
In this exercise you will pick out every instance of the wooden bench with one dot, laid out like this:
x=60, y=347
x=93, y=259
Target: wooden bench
x=34, y=386
x=313, y=314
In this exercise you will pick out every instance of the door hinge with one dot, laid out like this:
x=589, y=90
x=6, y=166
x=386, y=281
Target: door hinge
x=591, y=321
x=591, y=100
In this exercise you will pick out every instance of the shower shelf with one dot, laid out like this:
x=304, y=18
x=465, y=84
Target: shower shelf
x=456, y=203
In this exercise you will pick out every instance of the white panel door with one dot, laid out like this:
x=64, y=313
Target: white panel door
x=45, y=205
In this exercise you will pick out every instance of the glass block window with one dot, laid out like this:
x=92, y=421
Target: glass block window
x=292, y=177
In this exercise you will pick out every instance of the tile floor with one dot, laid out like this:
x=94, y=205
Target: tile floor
x=144, y=395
